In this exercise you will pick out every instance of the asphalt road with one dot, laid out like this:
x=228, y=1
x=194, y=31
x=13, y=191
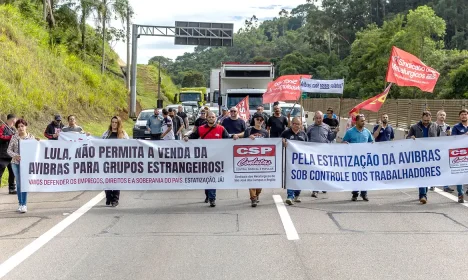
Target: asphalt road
x=175, y=235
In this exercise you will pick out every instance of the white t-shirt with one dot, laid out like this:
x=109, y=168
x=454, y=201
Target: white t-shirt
x=167, y=123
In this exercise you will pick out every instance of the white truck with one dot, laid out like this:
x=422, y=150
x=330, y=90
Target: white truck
x=213, y=93
x=240, y=80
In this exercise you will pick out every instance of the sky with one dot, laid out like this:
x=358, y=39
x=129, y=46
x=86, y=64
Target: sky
x=165, y=13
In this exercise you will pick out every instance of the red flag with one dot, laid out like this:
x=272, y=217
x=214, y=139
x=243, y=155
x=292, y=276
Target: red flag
x=372, y=104
x=243, y=108
x=405, y=69
x=284, y=88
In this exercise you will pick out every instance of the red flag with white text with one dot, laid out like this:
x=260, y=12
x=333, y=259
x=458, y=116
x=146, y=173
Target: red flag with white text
x=243, y=108
x=284, y=88
x=405, y=69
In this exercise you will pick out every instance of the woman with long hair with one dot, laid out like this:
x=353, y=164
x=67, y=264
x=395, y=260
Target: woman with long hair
x=115, y=131
x=14, y=152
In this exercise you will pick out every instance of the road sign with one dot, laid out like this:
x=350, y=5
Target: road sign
x=203, y=33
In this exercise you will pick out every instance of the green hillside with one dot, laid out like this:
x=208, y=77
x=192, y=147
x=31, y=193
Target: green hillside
x=147, y=86
x=43, y=73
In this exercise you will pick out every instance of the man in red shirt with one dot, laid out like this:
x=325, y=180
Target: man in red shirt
x=210, y=130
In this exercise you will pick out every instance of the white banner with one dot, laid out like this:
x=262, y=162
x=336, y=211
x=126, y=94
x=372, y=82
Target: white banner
x=75, y=136
x=374, y=166
x=322, y=86
x=53, y=166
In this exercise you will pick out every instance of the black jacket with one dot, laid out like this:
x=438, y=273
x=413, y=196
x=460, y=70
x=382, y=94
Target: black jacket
x=52, y=129
x=416, y=130
x=5, y=135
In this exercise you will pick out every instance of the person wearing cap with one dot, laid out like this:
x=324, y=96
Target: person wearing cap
x=7, y=130
x=224, y=114
x=294, y=133
x=253, y=133
x=54, y=128
x=265, y=117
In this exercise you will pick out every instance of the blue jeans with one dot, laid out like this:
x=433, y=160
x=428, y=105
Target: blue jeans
x=22, y=196
x=177, y=137
x=356, y=193
x=459, y=189
x=422, y=192
x=293, y=193
x=211, y=194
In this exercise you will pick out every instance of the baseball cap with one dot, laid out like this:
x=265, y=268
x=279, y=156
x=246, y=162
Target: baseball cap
x=257, y=115
x=57, y=117
x=224, y=108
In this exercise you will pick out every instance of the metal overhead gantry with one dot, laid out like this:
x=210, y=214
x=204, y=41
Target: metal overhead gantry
x=184, y=33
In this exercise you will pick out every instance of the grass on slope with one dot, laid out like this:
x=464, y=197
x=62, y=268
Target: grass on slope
x=38, y=80
x=147, y=86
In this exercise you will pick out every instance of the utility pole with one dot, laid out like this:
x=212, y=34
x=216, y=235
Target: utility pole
x=128, y=48
x=159, y=102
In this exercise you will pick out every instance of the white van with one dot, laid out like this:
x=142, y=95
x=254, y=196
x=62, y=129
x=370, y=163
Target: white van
x=295, y=111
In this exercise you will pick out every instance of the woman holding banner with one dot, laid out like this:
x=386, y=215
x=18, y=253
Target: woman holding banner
x=115, y=131
x=14, y=152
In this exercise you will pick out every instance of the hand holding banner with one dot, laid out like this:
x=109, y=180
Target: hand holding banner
x=405, y=69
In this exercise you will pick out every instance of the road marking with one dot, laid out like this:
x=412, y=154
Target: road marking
x=30, y=249
x=288, y=225
x=450, y=196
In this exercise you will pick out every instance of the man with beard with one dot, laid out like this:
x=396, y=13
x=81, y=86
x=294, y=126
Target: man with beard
x=210, y=130
x=383, y=131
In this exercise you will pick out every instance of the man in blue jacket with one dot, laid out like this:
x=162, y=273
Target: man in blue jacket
x=461, y=128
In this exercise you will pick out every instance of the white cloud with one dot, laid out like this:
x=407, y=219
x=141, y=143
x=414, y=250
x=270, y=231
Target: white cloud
x=165, y=13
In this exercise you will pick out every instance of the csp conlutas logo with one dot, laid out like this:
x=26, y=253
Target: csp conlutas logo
x=458, y=160
x=254, y=158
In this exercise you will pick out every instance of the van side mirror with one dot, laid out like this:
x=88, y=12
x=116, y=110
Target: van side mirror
x=220, y=101
x=176, y=98
x=205, y=96
x=134, y=119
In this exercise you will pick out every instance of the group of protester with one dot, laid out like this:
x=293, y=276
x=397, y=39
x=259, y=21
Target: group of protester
x=171, y=124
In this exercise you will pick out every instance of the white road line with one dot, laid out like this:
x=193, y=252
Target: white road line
x=288, y=225
x=450, y=196
x=30, y=249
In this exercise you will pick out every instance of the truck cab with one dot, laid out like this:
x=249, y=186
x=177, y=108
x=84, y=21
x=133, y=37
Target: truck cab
x=241, y=80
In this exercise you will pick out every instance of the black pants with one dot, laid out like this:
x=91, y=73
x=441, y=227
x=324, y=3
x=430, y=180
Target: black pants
x=112, y=196
x=6, y=163
x=156, y=136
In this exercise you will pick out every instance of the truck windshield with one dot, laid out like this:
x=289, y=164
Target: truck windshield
x=190, y=96
x=296, y=112
x=254, y=101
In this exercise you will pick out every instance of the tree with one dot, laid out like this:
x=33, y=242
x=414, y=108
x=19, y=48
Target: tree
x=165, y=61
x=193, y=79
x=106, y=9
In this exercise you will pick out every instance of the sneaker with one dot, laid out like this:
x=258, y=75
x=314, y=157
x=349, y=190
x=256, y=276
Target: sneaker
x=19, y=208
x=423, y=200
x=24, y=209
x=212, y=203
x=314, y=194
x=461, y=199
x=324, y=191
x=12, y=192
x=365, y=197
x=254, y=203
x=297, y=199
x=206, y=200
x=448, y=189
x=289, y=201
x=432, y=188
x=354, y=198
x=258, y=198
x=114, y=203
